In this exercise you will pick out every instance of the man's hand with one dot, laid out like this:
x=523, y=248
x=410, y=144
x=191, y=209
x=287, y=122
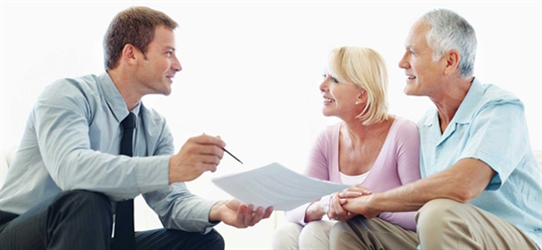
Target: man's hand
x=197, y=155
x=359, y=205
x=336, y=209
x=237, y=214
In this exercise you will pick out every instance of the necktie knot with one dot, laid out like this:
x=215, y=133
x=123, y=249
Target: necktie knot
x=129, y=121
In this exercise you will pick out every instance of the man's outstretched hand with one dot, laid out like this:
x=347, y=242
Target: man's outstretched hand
x=237, y=214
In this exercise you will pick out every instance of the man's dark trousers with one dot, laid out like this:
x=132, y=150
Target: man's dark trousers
x=83, y=220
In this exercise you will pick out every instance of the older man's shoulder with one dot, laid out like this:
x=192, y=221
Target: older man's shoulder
x=493, y=94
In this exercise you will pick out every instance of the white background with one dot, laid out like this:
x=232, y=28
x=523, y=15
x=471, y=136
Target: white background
x=251, y=70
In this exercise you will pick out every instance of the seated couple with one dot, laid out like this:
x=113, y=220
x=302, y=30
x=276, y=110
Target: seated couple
x=464, y=178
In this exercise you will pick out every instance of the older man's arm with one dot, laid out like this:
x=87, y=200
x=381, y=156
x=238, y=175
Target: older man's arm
x=462, y=182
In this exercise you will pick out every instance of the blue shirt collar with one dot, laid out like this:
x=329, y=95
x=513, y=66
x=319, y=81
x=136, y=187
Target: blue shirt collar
x=114, y=99
x=467, y=107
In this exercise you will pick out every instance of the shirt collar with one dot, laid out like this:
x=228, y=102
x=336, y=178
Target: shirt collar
x=466, y=108
x=114, y=99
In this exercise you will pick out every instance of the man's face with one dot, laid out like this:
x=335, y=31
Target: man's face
x=155, y=73
x=423, y=75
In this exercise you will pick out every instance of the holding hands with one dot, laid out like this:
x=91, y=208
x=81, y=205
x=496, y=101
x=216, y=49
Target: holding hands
x=340, y=207
x=357, y=199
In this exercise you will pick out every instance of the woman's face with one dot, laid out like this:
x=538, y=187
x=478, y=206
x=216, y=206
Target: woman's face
x=340, y=98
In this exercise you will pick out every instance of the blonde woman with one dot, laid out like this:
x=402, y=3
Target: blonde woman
x=370, y=149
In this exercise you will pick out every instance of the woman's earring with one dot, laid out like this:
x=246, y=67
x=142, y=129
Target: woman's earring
x=357, y=103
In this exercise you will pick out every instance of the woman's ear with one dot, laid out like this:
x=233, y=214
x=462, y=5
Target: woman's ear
x=362, y=97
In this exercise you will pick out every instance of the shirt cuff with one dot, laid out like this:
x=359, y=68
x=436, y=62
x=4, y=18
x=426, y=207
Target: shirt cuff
x=153, y=173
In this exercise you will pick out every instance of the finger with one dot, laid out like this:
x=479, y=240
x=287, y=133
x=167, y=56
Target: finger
x=240, y=221
x=208, y=140
x=207, y=159
x=256, y=217
x=248, y=215
x=337, y=208
x=205, y=149
x=358, y=190
x=350, y=194
x=267, y=213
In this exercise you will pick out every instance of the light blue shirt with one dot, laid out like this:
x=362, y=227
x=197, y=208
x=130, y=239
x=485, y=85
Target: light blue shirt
x=490, y=126
x=72, y=141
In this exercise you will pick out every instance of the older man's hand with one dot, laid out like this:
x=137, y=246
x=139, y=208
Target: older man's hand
x=359, y=205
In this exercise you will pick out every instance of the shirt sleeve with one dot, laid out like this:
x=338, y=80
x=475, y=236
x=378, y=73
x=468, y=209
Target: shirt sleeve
x=61, y=117
x=408, y=168
x=498, y=137
x=176, y=206
x=316, y=168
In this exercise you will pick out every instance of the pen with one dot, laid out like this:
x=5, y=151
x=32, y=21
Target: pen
x=232, y=155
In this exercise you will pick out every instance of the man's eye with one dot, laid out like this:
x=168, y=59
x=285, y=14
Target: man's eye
x=169, y=53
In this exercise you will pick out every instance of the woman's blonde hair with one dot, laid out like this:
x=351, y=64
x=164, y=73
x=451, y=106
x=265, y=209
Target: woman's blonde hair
x=366, y=69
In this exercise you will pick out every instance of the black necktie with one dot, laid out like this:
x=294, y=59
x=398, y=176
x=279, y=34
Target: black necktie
x=124, y=217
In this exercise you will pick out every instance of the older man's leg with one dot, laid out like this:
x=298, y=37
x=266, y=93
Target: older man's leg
x=448, y=224
x=361, y=233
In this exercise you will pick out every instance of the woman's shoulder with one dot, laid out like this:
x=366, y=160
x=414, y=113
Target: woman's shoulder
x=402, y=123
x=404, y=129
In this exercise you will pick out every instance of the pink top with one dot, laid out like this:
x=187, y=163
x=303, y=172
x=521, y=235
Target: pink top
x=397, y=164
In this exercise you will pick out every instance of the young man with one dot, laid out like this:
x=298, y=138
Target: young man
x=68, y=169
x=481, y=187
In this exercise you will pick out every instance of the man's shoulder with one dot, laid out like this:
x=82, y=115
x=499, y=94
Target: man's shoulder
x=72, y=88
x=495, y=95
x=72, y=85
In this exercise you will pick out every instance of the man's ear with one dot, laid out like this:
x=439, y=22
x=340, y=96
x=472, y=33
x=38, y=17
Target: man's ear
x=130, y=54
x=452, y=62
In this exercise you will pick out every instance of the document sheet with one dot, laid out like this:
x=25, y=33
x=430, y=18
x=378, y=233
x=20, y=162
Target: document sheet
x=275, y=185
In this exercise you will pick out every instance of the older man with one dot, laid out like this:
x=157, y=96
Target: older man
x=77, y=148
x=481, y=187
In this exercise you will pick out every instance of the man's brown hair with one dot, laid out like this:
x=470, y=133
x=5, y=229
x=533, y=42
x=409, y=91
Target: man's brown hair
x=133, y=26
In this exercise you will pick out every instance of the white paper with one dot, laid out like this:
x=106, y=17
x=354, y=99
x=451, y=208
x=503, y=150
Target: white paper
x=275, y=185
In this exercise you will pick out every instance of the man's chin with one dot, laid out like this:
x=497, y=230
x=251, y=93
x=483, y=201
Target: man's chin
x=408, y=90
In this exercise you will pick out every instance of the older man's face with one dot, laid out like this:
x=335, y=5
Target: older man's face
x=423, y=75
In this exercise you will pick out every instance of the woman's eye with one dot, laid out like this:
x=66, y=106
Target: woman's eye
x=334, y=80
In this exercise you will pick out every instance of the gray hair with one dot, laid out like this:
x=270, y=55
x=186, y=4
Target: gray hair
x=449, y=31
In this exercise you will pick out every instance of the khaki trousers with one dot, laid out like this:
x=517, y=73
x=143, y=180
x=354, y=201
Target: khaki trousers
x=441, y=224
x=292, y=236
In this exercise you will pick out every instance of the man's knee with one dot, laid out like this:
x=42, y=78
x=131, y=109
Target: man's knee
x=436, y=215
x=83, y=202
x=340, y=233
x=216, y=241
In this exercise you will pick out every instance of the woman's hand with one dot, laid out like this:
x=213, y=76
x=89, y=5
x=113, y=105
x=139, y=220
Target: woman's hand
x=355, y=191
